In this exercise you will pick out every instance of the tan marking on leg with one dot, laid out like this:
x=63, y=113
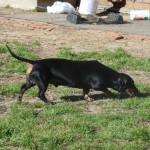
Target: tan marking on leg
x=86, y=96
x=29, y=69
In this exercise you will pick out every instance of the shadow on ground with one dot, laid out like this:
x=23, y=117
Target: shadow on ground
x=97, y=97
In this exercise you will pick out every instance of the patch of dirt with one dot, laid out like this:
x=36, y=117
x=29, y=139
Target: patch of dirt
x=92, y=108
x=52, y=37
x=13, y=78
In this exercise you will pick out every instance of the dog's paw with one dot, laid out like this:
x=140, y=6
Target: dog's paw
x=88, y=99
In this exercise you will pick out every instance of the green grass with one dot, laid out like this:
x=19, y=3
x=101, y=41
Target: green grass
x=65, y=126
x=10, y=89
x=115, y=59
x=14, y=88
x=3, y=49
x=13, y=65
x=119, y=124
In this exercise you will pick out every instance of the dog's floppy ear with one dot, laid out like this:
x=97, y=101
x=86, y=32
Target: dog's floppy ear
x=122, y=83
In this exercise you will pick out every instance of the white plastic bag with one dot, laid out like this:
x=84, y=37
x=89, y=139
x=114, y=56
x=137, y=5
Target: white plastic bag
x=60, y=7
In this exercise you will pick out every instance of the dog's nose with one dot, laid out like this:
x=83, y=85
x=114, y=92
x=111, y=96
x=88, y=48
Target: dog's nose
x=132, y=91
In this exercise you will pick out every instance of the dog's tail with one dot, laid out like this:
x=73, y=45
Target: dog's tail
x=20, y=58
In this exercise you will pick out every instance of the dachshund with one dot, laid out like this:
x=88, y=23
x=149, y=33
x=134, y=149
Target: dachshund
x=85, y=75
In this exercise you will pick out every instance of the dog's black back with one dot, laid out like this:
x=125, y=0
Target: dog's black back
x=78, y=74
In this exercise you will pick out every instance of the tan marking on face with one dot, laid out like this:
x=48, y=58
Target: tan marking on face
x=130, y=92
x=29, y=69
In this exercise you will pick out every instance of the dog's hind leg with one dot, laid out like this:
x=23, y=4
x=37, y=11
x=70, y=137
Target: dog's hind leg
x=25, y=87
x=86, y=95
x=41, y=80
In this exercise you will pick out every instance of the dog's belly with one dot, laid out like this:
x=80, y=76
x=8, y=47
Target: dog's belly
x=88, y=82
x=58, y=82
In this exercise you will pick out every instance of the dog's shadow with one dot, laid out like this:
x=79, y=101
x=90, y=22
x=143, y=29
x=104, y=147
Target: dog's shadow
x=102, y=96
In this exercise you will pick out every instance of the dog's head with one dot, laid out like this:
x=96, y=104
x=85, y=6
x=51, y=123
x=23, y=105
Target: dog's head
x=125, y=84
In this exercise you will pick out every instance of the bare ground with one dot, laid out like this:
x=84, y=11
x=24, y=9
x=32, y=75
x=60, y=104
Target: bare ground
x=53, y=37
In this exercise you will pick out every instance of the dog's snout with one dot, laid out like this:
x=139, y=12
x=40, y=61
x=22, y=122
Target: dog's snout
x=132, y=91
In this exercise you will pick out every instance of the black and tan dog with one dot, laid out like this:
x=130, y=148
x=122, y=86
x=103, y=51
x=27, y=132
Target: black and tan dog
x=85, y=75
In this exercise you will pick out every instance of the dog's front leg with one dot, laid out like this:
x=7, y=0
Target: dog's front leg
x=41, y=94
x=42, y=89
x=86, y=95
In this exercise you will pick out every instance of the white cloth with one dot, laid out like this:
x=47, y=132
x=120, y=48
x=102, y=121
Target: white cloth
x=60, y=7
